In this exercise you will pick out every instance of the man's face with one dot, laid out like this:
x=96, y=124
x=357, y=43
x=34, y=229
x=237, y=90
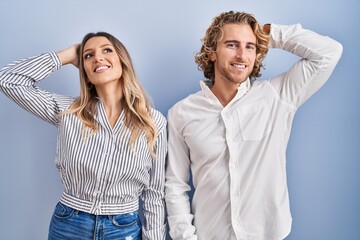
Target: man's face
x=235, y=55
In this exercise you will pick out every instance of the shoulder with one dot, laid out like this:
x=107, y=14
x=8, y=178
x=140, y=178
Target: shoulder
x=187, y=103
x=260, y=85
x=158, y=117
x=191, y=108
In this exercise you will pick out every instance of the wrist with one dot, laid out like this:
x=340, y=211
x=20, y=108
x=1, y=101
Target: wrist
x=267, y=28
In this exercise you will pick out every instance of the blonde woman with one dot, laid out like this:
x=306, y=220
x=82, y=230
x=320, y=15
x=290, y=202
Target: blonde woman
x=111, y=144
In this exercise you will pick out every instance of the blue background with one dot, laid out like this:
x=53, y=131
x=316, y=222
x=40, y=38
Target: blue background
x=162, y=36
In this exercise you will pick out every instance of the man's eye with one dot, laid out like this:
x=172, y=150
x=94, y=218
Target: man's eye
x=232, y=45
x=251, y=47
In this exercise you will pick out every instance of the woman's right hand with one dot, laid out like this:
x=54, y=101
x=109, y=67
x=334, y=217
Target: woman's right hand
x=70, y=55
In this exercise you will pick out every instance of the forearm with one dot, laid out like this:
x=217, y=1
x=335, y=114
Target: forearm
x=28, y=71
x=180, y=218
x=178, y=207
x=153, y=197
x=70, y=55
x=304, y=43
x=154, y=212
x=319, y=56
x=18, y=80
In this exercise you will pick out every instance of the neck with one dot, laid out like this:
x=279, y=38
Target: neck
x=111, y=99
x=224, y=92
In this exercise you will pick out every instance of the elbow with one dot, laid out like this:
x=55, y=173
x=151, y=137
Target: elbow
x=331, y=55
x=2, y=80
x=336, y=51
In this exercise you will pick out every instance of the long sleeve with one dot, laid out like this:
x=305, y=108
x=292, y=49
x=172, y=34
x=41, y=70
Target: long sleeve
x=177, y=187
x=18, y=82
x=153, y=196
x=319, y=56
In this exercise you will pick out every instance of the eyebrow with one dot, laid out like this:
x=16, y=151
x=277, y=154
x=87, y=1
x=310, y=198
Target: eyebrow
x=104, y=45
x=236, y=41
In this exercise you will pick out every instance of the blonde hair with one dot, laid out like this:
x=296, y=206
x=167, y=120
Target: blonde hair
x=214, y=33
x=136, y=106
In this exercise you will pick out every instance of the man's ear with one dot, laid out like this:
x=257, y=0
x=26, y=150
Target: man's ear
x=213, y=57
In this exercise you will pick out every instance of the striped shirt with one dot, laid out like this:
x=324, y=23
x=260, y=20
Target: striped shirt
x=101, y=174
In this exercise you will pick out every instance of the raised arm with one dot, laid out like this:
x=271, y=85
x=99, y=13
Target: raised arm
x=18, y=82
x=319, y=56
x=70, y=55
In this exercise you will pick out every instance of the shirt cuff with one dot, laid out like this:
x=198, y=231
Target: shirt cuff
x=281, y=33
x=154, y=234
x=55, y=59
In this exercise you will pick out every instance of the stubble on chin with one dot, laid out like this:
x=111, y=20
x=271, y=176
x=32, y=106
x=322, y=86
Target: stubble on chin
x=227, y=76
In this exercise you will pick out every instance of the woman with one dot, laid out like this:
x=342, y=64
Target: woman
x=111, y=145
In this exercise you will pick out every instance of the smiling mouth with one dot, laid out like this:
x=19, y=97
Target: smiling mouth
x=238, y=66
x=101, y=68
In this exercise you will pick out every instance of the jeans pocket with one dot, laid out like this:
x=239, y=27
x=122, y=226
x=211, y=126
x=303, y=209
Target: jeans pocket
x=124, y=220
x=62, y=211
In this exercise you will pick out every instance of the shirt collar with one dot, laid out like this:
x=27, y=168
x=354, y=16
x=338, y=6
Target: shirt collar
x=207, y=84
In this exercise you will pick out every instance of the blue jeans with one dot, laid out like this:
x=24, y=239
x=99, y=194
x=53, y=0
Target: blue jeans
x=68, y=224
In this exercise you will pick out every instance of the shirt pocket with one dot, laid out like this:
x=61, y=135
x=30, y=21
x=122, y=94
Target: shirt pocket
x=254, y=121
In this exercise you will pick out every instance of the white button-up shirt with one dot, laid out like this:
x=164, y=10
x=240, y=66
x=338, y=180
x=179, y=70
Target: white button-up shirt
x=237, y=153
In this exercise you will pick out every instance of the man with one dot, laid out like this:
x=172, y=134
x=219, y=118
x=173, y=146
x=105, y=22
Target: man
x=233, y=133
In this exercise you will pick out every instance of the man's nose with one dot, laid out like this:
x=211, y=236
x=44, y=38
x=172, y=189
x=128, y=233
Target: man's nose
x=240, y=53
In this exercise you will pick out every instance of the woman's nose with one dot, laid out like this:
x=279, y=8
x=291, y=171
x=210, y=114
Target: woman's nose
x=98, y=57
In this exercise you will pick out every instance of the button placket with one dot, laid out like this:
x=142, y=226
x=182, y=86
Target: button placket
x=235, y=197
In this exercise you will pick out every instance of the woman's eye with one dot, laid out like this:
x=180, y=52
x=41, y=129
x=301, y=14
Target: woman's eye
x=107, y=50
x=86, y=56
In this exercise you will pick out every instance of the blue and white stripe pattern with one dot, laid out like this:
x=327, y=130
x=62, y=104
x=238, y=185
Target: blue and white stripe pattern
x=100, y=172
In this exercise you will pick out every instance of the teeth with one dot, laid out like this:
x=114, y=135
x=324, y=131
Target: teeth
x=241, y=66
x=101, y=68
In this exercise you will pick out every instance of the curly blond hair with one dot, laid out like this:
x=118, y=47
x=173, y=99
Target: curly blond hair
x=215, y=32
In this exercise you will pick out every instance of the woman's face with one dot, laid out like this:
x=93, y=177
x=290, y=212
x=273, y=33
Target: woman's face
x=101, y=62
